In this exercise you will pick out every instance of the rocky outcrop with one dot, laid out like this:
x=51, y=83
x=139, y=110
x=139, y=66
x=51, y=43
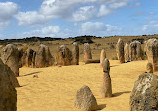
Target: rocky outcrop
x=152, y=52
x=64, y=56
x=85, y=99
x=75, y=54
x=10, y=56
x=43, y=57
x=102, y=57
x=144, y=96
x=120, y=50
x=149, y=68
x=106, y=88
x=126, y=49
x=135, y=51
x=8, y=94
x=87, y=52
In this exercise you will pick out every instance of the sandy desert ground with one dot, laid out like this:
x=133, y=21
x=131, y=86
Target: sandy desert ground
x=56, y=87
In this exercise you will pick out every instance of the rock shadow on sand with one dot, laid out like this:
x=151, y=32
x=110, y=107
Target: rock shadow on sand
x=101, y=106
x=30, y=74
x=114, y=65
x=120, y=93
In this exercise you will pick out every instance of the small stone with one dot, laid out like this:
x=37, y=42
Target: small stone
x=35, y=76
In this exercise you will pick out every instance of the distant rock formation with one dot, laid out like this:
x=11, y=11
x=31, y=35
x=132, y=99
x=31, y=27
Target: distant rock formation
x=102, y=57
x=120, y=50
x=135, y=50
x=127, y=55
x=75, y=54
x=29, y=57
x=87, y=52
x=152, y=52
x=43, y=57
x=64, y=56
x=20, y=50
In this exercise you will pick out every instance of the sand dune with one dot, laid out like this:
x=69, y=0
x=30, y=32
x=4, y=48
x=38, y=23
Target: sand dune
x=56, y=87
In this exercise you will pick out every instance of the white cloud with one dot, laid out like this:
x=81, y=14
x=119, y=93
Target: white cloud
x=98, y=29
x=118, y=4
x=104, y=10
x=8, y=10
x=84, y=13
x=32, y=18
x=71, y=10
x=43, y=32
x=48, y=31
x=90, y=27
x=150, y=29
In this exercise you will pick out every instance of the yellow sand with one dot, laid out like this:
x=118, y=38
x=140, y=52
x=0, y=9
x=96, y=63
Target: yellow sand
x=56, y=87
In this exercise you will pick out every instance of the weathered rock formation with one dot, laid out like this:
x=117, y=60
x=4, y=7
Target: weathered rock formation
x=20, y=50
x=144, y=96
x=152, y=53
x=87, y=52
x=106, y=88
x=85, y=99
x=43, y=57
x=23, y=59
x=33, y=59
x=120, y=50
x=149, y=68
x=64, y=56
x=135, y=50
x=29, y=57
x=10, y=56
x=75, y=54
x=126, y=49
x=6, y=70
x=102, y=57
x=8, y=94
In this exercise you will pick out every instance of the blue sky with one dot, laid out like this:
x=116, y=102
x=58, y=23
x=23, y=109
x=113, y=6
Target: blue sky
x=69, y=18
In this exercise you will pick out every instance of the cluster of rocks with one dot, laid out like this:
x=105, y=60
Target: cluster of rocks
x=16, y=58
x=133, y=51
x=12, y=58
x=144, y=96
x=129, y=52
x=67, y=57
